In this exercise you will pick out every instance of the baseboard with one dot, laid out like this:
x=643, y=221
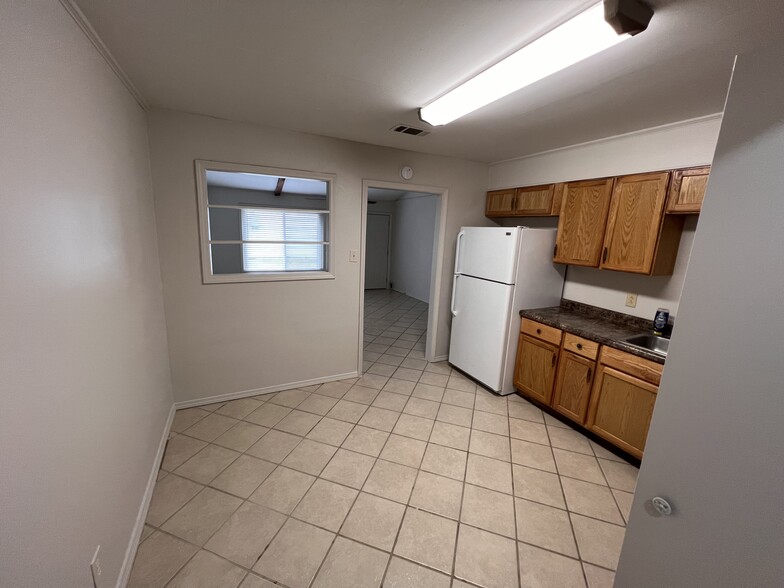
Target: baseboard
x=440, y=358
x=258, y=391
x=130, y=553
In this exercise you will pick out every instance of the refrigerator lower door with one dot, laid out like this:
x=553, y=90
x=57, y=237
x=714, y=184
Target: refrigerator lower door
x=480, y=324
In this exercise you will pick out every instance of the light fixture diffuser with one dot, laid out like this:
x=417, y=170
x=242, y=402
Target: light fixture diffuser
x=585, y=35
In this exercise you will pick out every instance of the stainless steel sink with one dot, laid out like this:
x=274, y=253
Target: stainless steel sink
x=653, y=343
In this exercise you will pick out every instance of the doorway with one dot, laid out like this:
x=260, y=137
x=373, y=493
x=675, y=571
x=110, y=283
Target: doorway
x=402, y=251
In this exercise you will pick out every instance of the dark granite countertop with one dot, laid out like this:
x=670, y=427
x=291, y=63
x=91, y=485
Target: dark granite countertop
x=596, y=324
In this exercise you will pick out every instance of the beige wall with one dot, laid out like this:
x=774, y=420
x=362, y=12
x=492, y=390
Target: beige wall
x=228, y=338
x=413, y=235
x=685, y=144
x=84, y=375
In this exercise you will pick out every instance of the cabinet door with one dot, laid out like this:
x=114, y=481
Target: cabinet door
x=535, y=369
x=634, y=223
x=573, y=386
x=534, y=200
x=687, y=190
x=620, y=409
x=500, y=202
x=582, y=222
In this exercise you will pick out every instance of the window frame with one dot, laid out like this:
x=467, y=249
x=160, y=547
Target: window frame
x=202, y=166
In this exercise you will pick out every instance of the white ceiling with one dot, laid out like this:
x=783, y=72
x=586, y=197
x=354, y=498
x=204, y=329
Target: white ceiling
x=354, y=68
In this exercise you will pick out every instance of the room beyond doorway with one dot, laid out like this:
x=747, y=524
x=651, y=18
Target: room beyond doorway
x=395, y=329
x=401, y=247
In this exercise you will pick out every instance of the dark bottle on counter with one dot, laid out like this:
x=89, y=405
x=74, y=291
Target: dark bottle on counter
x=660, y=321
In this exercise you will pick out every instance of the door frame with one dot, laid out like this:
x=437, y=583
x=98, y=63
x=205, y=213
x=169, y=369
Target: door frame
x=389, y=247
x=436, y=264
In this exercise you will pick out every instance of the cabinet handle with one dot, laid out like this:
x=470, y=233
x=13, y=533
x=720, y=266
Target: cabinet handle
x=604, y=255
x=580, y=346
x=590, y=373
x=552, y=363
x=555, y=250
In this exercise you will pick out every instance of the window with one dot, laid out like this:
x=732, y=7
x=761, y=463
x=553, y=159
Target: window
x=262, y=224
x=293, y=241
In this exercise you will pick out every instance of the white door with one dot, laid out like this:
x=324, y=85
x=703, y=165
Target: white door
x=487, y=252
x=480, y=324
x=377, y=251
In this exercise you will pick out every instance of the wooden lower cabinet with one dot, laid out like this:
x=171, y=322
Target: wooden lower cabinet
x=621, y=408
x=573, y=386
x=535, y=368
x=605, y=390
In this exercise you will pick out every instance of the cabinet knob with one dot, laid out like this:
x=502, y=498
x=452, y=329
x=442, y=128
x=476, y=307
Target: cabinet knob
x=579, y=346
x=538, y=331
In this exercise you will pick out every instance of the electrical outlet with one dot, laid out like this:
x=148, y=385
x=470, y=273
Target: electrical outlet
x=96, y=568
x=631, y=300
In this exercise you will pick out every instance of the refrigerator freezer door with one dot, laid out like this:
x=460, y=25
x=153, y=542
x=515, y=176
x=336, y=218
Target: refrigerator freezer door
x=480, y=324
x=488, y=252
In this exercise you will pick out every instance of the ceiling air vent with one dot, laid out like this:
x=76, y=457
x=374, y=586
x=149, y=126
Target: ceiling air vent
x=406, y=130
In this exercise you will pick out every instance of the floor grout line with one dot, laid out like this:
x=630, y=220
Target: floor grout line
x=406, y=326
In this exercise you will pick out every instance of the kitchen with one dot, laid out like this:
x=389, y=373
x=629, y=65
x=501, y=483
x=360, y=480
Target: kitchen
x=157, y=337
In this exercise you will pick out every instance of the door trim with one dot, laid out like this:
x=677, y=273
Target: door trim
x=436, y=266
x=389, y=247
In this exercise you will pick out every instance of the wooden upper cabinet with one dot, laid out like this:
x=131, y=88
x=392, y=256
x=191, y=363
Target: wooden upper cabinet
x=535, y=201
x=535, y=369
x=687, y=190
x=529, y=201
x=500, y=202
x=582, y=222
x=638, y=238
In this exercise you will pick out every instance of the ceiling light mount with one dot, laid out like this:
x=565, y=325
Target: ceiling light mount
x=577, y=39
x=628, y=17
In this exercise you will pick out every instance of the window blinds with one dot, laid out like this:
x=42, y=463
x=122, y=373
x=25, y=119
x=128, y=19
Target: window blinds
x=286, y=240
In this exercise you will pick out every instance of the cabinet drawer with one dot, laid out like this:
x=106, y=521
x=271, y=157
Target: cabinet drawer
x=540, y=331
x=644, y=369
x=580, y=346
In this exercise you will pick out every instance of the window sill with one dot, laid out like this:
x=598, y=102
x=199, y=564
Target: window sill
x=266, y=277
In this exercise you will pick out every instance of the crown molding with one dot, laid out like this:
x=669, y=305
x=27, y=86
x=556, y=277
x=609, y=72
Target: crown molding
x=78, y=16
x=648, y=130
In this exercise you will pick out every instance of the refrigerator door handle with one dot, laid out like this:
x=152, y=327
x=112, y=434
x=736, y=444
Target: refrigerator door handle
x=460, y=235
x=454, y=287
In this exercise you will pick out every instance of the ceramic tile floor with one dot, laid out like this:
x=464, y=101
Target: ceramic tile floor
x=408, y=477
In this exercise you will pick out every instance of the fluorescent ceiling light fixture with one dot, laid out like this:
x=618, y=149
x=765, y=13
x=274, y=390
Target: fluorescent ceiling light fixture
x=585, y=35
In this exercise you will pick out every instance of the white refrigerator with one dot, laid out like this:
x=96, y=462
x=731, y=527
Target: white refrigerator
x=498, y=272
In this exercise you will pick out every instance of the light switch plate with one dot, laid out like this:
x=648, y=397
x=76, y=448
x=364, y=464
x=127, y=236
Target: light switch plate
x=353, y=255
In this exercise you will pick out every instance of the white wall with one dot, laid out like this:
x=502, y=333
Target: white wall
x=227, y=338
x=413, y=232
x=684, y=144
x=84, y=375
x=716, y=443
